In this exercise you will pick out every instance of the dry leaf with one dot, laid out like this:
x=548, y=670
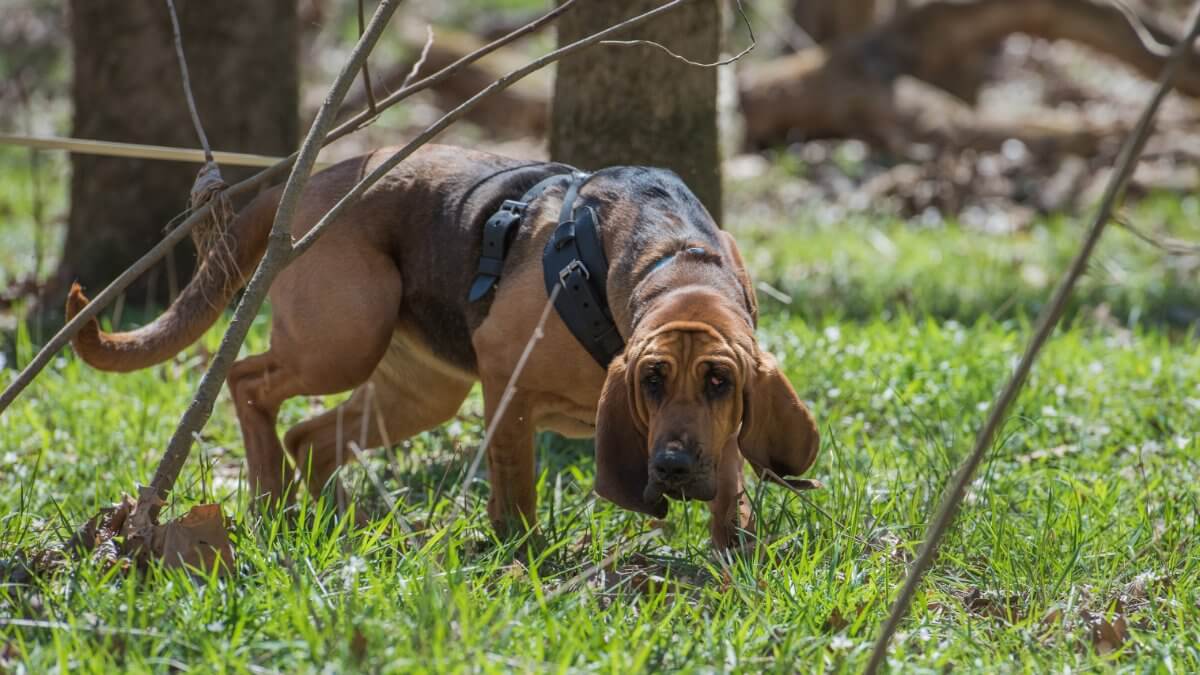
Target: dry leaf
x=1106, y=635
x=997, y=605
x=358, y=646
x=101, y=527
x=836, y=621
x=197, y=540
x=9, y=653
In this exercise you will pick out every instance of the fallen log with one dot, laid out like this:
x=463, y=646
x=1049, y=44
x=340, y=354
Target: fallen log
x=847, y=89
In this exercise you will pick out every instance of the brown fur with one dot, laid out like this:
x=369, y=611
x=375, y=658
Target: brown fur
x=378, y=306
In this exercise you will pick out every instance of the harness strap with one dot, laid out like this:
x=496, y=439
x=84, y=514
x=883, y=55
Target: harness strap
x=574, y=257
x=496, y=236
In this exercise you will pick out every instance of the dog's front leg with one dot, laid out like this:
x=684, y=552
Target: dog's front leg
x=730, y=509
x=513, y=504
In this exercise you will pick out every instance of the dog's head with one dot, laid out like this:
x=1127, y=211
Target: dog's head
x=693, y=384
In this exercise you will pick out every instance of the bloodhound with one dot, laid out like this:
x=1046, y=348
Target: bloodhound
x=385, y=304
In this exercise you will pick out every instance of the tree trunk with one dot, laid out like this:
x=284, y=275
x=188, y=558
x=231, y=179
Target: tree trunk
x=636, y=104
x=826, y=20
x=242, y=63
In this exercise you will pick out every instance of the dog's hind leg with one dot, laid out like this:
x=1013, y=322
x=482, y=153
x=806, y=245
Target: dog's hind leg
x=403, y=397
x=334, y=314
x=258, y=386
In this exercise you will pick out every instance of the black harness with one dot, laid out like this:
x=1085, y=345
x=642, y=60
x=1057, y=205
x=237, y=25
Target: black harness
x=573, y=260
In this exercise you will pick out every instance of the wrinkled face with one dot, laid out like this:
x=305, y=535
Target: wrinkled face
x=686, y=390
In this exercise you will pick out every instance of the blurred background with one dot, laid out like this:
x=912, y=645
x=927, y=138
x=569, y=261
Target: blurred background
x=873, y=156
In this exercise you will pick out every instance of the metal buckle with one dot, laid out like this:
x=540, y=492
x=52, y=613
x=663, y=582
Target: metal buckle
x=575, y=264
x=514, y=206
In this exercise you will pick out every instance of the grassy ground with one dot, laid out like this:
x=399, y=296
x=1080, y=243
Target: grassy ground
x=1084, y=516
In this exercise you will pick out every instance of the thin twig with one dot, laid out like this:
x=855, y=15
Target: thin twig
x=679, y=57
x=509, y=391
x=245, y=187
x=420, y=62
x=777, y=480
x=1047, y=321
x=462, y=109
x=187, y=83
x=98, y=629
x=393, y=506
x=276, y=257
x=281, y=250
x=608, y=560
x=365, y=70
x=1166, y=245
x=364, y=117
x=88, y=146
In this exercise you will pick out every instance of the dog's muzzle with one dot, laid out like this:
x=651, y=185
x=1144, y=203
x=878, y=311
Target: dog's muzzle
x=675, y=471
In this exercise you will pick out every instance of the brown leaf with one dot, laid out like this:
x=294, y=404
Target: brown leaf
x=994, y=604
x=101, y=527
x=358, y=646
x=143, y=536
x=9, y=653
x=198, y=540
x=1052, y=618
x=1106, y=635
x=836, y=621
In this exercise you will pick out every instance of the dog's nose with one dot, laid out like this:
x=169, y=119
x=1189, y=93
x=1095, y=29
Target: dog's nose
x=672, y=465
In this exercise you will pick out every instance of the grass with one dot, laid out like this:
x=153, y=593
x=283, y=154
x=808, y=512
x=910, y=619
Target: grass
x=1087, y=506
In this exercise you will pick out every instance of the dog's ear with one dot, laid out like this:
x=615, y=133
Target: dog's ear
x=622, y=457
x=778, y=432
x=739, y=268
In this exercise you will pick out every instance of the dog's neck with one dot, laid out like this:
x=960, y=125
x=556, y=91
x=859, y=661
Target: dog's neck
x=686, y=273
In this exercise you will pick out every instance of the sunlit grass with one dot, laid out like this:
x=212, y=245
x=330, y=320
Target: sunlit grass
x=1090, y=499
x=1088, y=502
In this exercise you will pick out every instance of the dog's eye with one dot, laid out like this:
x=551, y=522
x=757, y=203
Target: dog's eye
x=653, y=383
x=716, y=384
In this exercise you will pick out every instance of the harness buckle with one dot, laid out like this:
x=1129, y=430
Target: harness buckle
x=572, y=266
x=513, y=206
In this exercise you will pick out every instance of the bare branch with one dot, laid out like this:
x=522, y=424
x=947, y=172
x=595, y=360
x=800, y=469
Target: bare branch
x=280, y=248
x=462, y=109
x=187, y=83
x=276, y=257
x=510, y=390
x=679, y=57
x=115, y=289
x=416, y=67
x=1046, y=323
x=1165, y=244
x=604, y=564
x=365, y=70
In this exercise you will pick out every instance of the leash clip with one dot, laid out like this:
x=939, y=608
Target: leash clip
x=574, y=265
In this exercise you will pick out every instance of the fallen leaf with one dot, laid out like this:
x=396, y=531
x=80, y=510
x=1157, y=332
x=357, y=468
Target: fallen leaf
x=1106, y=635
x=198, y=540
x=1004, y=606
x=101, y=527
x=836, y=621
x=1052, y=618
x=10, y=652
x=358, y=646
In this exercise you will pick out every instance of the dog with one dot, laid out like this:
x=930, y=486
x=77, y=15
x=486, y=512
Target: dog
x=385, y=304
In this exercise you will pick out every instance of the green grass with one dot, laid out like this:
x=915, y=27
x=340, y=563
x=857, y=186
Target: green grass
x=1088, y=503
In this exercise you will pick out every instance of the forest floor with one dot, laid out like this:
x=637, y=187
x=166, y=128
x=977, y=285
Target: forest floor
x=1076, y=547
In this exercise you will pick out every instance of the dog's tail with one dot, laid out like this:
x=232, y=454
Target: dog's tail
x=227, y=258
